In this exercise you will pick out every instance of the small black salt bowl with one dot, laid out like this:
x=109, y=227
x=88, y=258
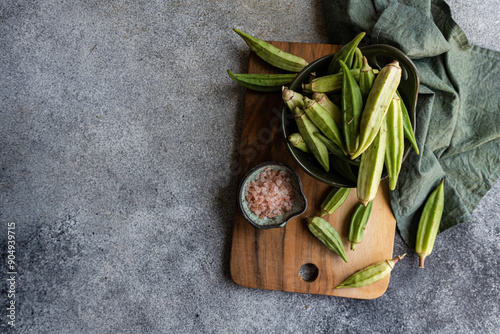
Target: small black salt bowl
x=299, y=199
x=378, y=56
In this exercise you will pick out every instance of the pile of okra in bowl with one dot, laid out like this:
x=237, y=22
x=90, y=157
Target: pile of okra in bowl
x=322, y=83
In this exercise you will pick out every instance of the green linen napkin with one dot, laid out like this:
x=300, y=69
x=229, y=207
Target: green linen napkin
x=458, y=108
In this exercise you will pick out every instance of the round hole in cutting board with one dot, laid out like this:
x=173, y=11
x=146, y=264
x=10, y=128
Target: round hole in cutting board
x=308, y=272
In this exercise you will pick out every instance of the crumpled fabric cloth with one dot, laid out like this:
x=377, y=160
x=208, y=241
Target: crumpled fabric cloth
x=458, y=107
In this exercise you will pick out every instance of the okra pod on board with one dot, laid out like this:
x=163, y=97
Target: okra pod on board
x=379, y=98
x=359, y=220
x=371, y=167
x=346, y=54
x=327, y=234
x=273, y=55
x=335, y=198
x=352, y=105
x=395, y=147
x=370, y=274
x=324, y=101
x=262, y=82
x=428, y=225
x=323, y=120
x=297, y=141
x=307, y=129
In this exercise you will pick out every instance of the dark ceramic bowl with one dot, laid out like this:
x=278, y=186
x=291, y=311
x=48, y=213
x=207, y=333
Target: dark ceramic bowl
x=378, y=56
x=299, y=199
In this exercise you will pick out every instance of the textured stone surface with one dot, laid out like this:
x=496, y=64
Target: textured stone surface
x=119, y=131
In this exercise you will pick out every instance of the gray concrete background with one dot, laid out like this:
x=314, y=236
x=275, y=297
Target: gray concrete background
x=119, y=131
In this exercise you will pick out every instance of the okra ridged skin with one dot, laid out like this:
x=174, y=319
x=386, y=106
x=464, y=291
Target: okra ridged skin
x=336, y=150
x=307, y=129
x=370, y=274
x=371, y=167
x=428, y=225
x=324, y=101
x=380, y=96
x=262, y=82
x=359, y=220
x=352, y=106
x=358, y=59
x=346, y=54
x=297, y=141
x=328, y=83
x=292, y=99
x=273, y=55
x=323, y=120
x=327, y=234
x=395, y=147
x=408, y=129
x=366, y=78
x=335, y=198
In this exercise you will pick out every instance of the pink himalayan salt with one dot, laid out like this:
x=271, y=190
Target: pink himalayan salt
x=271, y=194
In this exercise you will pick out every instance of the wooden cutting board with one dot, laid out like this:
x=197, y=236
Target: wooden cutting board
x=271, y=259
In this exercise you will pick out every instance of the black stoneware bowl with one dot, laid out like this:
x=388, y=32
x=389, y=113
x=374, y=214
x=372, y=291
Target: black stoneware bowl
x=378, y=56
x=299, y=199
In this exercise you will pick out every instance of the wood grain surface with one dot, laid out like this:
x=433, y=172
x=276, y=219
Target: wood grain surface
x=271, y=259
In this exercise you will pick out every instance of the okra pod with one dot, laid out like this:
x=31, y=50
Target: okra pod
x=379, y=98
x=358, y=59
x=262, y=82
x=336, y=150
x=395, y=147
x=273, y=55
x=335, y=198
x=324, y=101
x=366, y=78
x=307, y=129
x=322, y=119
x=359, y=220
x=328, y=83
x=325, y=232
x=292, y=99
x=371, y=167
x=408, y=128
x=428, y=225
x=352, y=105
x=345, y=54
x=343, y=168
x=297, y=141
x=370, y=274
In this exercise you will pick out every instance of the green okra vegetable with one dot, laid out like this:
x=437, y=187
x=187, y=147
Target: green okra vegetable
x=324, y=101
x=359, y=220
x=370, y=274
x=328, y=83
x=336, y=150
x=395, y=147
x=343, y=168
x=407, y=127
x=307, y=129
x=428, y=225
x=346, y=54
x=379, y=98
x=335, y=198
x=262, y=82
x=358, y=59
x=292, y=99
x=325, y=232
x=352, y=105
x=323, y=120
x=371, y=167
x=297, y=141
x=366, y=78
x=273, y=55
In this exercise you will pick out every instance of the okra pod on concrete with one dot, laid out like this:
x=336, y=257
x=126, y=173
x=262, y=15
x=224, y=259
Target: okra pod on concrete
x=428, y=225
x=273, y=55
